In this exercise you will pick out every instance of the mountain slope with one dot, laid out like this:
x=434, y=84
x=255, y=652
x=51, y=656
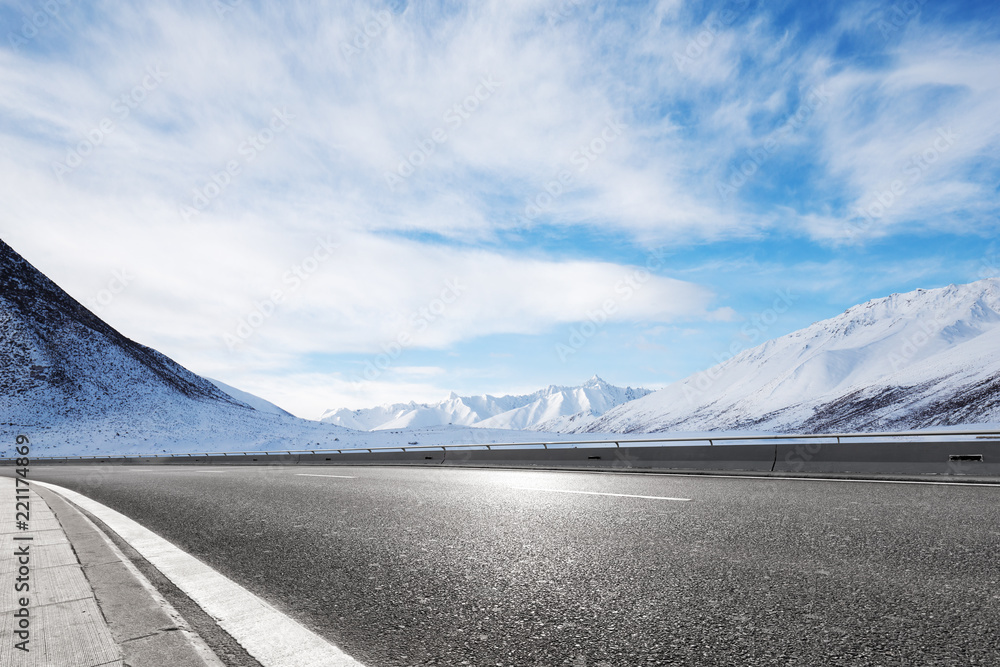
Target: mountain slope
x=921, y=359
x=74, y=384
x=547, y=407
x=254, y=401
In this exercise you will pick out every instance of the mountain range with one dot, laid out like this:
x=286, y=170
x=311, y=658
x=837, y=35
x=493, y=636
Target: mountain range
x=551, y=409
x=927, y=358
x=75, y=385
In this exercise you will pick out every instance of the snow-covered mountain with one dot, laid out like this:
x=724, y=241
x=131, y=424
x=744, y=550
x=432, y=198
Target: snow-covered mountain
x=74, y=385
x=254, y=401
x=921, y=359
x=548, y=409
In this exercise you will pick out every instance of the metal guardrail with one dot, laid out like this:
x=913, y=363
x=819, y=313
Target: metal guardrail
x=545, y=444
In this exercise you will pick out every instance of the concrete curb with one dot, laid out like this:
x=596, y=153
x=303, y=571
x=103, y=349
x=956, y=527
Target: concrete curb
x=52, y=607
x=269, y=637
x=148, y=630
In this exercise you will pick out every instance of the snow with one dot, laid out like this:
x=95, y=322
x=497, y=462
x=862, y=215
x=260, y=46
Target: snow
x=540, y=411
x=255, y=402
x=74, y=385
x=923, y=359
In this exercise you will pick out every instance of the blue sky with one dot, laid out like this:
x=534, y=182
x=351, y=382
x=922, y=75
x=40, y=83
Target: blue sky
x=344, y=204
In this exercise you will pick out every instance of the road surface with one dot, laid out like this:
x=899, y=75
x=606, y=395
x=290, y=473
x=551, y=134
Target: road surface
x=412, y=566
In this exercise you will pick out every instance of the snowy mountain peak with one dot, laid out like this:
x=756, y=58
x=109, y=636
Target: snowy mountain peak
x=923, y=358
x=549, y=407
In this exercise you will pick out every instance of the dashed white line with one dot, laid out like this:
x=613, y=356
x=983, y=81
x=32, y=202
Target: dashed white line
x=309, y=474
x=599, y=493
x=274, y=639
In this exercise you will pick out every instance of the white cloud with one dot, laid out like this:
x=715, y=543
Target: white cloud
x=535, y=92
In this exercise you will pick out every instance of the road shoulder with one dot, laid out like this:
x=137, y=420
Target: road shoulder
x=148, y=629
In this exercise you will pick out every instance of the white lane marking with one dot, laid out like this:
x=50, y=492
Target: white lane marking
x=308, y=474
x=222, y=471
x=274, y=639
x=856, y=481
x=695, y=475
x=192, y=637
x=598, y=493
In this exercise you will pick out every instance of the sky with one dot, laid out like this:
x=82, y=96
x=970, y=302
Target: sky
x=346, y=204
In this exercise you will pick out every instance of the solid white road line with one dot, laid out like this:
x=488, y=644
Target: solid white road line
x=853, y=481
x=308, y=474
x=598, y=493
x=192, y=637
x=274, y=639
x=222, y=471
x=695, y=475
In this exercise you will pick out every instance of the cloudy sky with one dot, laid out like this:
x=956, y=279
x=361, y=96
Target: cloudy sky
x=349, y=203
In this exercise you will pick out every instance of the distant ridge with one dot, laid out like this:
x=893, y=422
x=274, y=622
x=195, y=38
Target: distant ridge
x=544, y=409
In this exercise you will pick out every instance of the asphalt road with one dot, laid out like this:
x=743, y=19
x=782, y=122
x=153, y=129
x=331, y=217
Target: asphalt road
x=407, y=567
